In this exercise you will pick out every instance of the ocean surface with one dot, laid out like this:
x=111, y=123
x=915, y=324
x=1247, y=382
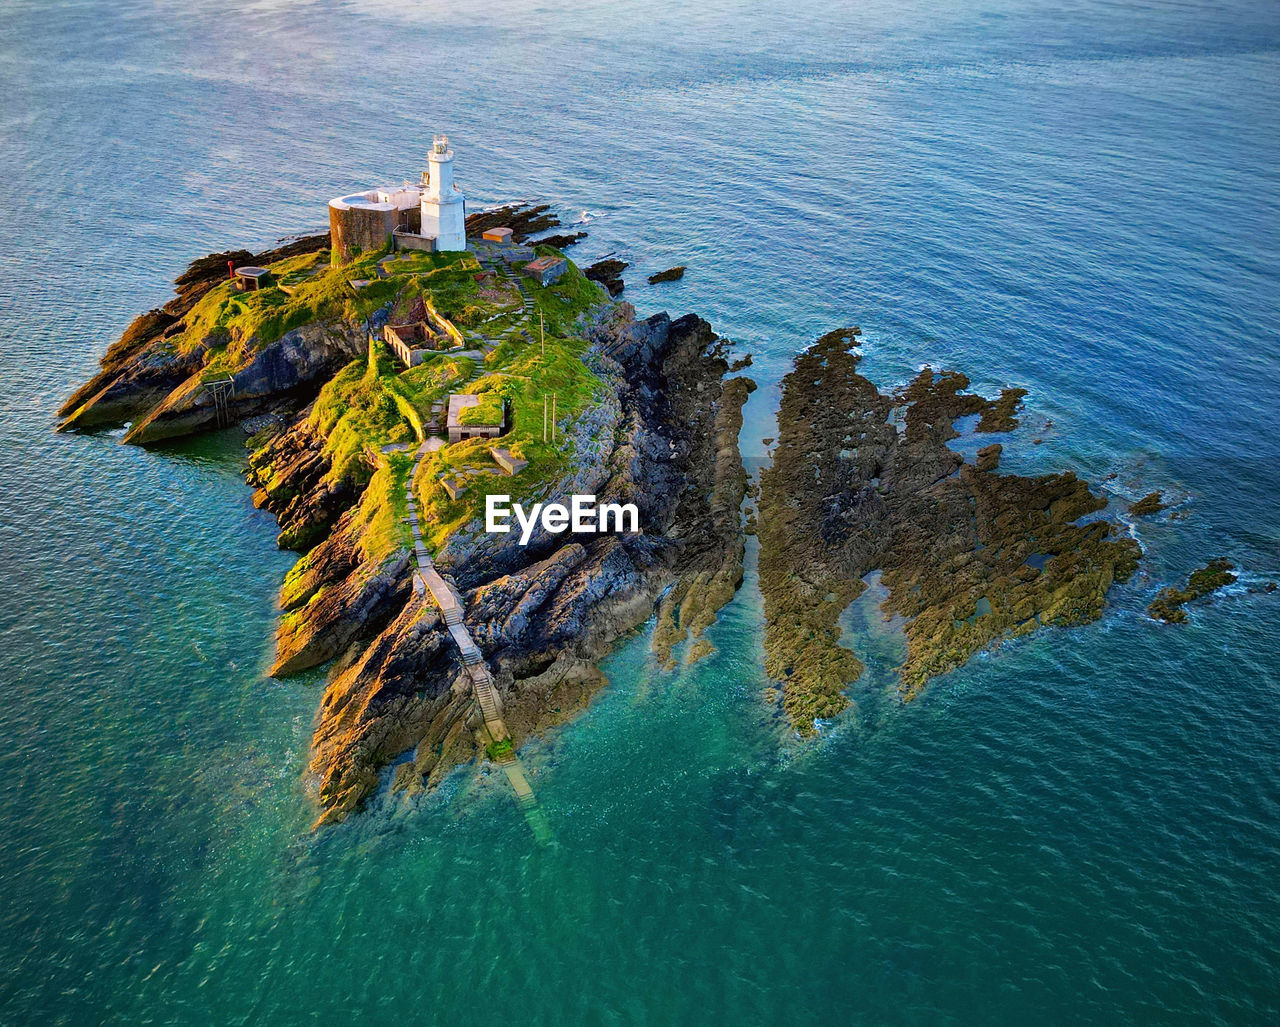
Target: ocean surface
x=1080, y=197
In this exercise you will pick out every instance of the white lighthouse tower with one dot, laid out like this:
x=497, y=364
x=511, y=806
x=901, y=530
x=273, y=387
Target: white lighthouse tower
x=443, y=215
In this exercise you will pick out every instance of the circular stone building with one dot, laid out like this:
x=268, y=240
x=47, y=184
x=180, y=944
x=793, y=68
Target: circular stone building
x=366, y=221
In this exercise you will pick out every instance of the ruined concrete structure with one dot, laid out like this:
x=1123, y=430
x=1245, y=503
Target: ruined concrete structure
x=365, y=221
x=459, y=431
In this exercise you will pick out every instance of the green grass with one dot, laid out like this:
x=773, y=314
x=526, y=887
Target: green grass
x=383, y=508
x=418, y=262
x=563, y=302
x=520, y=375
x=370, y=403
x=487, y=412
x=235, y=326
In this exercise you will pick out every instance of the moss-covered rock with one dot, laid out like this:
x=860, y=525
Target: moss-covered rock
x=1149, y=504
x=1169, y=605
x=969, y=556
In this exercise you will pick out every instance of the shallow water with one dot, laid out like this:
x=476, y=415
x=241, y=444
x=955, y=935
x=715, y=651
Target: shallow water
x=1081, y=199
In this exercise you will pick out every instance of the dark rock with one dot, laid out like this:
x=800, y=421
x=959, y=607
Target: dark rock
x=608, y=272
x=561, y=242
x=524, y=220
x=1149, y=504
x=672, y=274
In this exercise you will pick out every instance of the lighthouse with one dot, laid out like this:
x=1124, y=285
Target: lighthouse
x=443, y=214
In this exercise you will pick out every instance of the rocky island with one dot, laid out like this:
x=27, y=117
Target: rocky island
x=392, y=388
x=590, y=400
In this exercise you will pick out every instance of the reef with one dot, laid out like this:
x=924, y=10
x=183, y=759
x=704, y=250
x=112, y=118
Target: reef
x=863, y=481
x=1169, y=605
x=646, y=413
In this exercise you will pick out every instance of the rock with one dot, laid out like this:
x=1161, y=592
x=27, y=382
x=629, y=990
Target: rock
x=524, y=220
x=143, y=366
x=969, y=556
x=295, y=365
x=561, y=242
x=608, y=272
x=998, y=414
x=989, y=457
x=291, y=475
x=1151, y=503
x=672, y=274
x=542, y=614
x=1169, y=605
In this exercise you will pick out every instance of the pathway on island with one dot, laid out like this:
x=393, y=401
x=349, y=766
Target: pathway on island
x=427, y=581
x=500, y=268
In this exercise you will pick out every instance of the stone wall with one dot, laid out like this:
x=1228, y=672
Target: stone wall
x=367, y=229
x=410, y=240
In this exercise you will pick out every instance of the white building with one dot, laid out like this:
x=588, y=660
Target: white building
x=430, y=216
x=443, y=213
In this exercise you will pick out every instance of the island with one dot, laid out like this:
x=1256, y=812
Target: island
x=395, y=384
x=398, y=371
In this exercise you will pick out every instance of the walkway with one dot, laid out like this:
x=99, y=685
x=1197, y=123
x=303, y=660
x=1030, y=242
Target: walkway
x=500, y=268
x=428, y=581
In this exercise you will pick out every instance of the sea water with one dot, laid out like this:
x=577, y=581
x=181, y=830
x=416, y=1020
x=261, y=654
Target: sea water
x=1080, y=199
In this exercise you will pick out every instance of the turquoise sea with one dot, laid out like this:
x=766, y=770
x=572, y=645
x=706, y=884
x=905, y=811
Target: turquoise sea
x=1081, y=197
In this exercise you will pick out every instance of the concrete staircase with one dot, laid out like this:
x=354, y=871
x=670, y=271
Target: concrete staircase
x=500, y=268
x=428, y=582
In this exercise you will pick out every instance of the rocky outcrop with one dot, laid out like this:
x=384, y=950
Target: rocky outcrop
x=406, y=690
x=671, y=274
x=1152, y=503
x=144, y=366
x=341, y=611
x=608, y=272
x=524, y=220
x=290, y=370
x=862, y=481
x=291, y=475
x=1169, y=605
x=544, y=613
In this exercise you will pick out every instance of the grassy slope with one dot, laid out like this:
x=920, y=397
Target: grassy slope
x=373, y=402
